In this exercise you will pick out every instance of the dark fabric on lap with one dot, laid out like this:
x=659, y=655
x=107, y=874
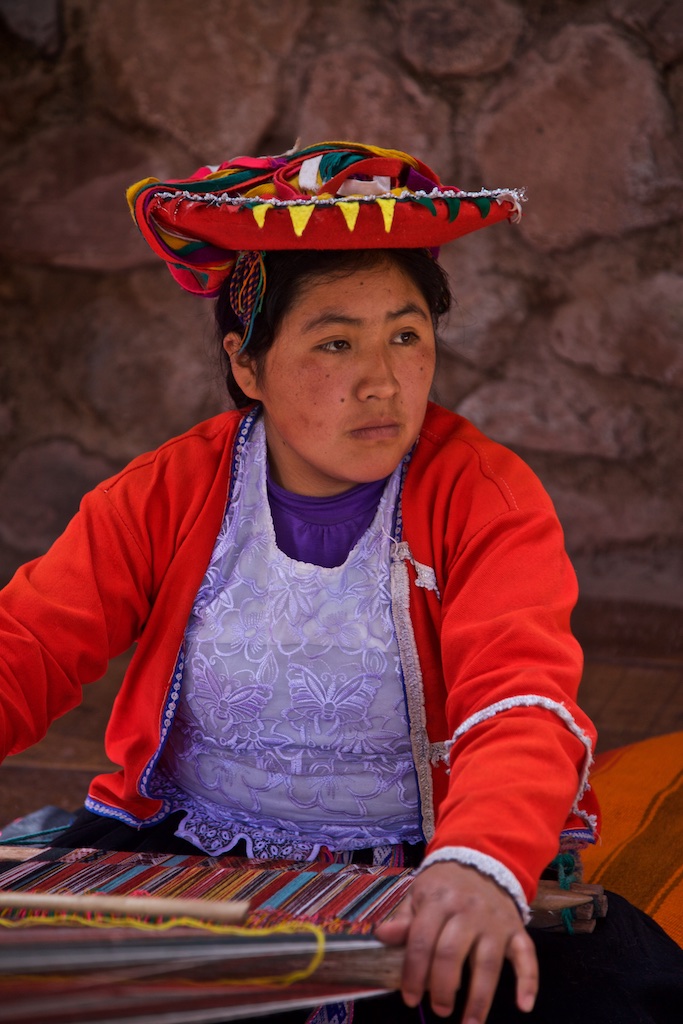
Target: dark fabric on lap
x=628, y=971
x=93, y=831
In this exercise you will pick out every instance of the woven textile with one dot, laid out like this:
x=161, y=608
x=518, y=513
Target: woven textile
x=332, y=195
x=640, y=789
x=349, y=899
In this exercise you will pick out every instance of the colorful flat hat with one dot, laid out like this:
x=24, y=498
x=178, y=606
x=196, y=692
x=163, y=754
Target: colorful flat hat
x=334, y=195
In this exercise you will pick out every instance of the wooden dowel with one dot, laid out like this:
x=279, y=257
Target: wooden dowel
x=551, y=897
x=589, y=888
x=204, y=910
x=19, y=852
x=126, y=906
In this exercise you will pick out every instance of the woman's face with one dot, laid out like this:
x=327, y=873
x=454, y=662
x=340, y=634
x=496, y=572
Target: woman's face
x=345, y=384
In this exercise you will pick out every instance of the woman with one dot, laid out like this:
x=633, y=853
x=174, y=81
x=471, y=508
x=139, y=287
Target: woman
x=365, y=653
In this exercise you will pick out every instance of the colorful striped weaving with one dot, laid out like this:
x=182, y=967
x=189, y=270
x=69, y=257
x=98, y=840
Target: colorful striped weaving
x=304, y=943
x=341, y=898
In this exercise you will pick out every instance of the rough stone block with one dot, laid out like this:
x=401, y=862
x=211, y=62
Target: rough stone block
x=634, y=329
x=376, y=105
x=36, y=21
x=206, y=76
x=40, y=491
x=585, y=127
x=68, y=186
x=489, y=306
x=443, y=38
x=660, y=22
x=622, y=515
x=150, y=370
x=547, y=409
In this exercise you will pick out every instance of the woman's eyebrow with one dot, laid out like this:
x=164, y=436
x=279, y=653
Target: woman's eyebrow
x=410, y=309
x=330, y=318
x=333, y=317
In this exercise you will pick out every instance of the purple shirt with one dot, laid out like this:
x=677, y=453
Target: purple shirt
x=322, y=531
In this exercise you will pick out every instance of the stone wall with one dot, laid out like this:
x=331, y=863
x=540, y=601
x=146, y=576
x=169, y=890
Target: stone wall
x=567, y=340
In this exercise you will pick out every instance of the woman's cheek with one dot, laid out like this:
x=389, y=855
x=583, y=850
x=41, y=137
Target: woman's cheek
x=323, y=389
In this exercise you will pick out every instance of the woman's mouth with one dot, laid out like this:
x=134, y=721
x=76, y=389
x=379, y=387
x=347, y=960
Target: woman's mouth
x=376, y=431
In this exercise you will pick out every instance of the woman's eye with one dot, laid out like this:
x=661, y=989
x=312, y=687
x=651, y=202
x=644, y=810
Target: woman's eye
x=406, y=337
x=338, y=345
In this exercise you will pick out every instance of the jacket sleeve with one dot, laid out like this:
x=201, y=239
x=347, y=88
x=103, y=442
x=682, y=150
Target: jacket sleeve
x=125, y=570
x=65, y=614
x=519, y=747
x=499, y=668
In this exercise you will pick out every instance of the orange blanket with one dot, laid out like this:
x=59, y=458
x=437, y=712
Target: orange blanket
x=640, y=854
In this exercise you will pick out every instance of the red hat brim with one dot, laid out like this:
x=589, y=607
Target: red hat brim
x=199, y=225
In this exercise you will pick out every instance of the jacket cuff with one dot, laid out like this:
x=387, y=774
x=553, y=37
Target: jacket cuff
x=486, y=865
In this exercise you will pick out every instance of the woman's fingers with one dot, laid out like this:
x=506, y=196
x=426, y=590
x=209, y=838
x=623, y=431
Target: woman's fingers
x=445, y=975
x=451, y=915
x=439, y=924
x=395, y=931
x=485, y=967
x=436, y=950
x=421, y=932
x=486, y=963
x=522, y=955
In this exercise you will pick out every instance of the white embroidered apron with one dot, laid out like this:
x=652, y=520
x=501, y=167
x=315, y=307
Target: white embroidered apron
x=292, y=730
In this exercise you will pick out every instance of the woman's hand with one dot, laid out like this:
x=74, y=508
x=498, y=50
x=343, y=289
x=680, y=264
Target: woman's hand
x=452, y=914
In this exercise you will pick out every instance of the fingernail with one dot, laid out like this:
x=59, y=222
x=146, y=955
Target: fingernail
x=526, y=1003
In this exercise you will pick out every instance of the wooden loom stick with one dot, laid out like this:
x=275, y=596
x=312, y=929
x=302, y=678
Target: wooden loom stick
x=251, y=961
x=219, y=975
x=550, y=898
x=19, y=852
x=127, y=906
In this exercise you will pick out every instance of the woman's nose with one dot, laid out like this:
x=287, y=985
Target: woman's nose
x=377, y=379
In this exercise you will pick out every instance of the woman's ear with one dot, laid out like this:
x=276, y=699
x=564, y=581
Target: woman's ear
x=243, y=368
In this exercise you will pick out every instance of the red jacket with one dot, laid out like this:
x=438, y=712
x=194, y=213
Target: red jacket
x=482, y=598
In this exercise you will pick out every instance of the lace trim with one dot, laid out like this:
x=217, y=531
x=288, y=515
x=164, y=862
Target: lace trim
x=528, y=700
x=414, y=689
x=486, y=866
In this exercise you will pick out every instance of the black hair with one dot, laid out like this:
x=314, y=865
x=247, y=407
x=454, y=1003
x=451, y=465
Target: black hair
x=288, y=271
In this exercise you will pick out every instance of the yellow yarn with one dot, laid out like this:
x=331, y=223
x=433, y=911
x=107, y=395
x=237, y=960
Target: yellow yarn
x=286, y=928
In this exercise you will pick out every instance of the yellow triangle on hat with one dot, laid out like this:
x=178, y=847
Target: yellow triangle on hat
x=260, y=212
x=300, y=217
x=387, y=207
x=350, y=211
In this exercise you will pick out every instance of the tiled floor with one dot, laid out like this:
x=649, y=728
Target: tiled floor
x=632, y=688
